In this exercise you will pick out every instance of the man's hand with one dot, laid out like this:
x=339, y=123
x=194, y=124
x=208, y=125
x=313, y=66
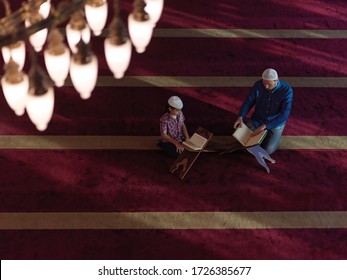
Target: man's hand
x=259, y=129
x=238, y=123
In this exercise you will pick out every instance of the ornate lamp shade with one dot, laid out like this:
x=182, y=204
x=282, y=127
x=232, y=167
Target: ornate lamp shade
x=154, y=8
x=38, y=39
x=140, y=32
x=57, y=58
x=76, y=30
x=73, y=36
x=118, y=57
x=40, y=108
x=117, y=45
x=16, y=51
x=96, y=15
x=15, y=86
x=40, y=101
x=58, y=66
x=45, y=9
x=84, y=70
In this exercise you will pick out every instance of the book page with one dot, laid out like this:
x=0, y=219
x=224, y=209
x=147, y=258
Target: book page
x=257, y=139
x=243, y=134
x=190, y=145
x=196, y=142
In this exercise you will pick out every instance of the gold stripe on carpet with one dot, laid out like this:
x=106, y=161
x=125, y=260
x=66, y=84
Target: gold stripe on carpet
x=174, y=220
x=217, y=81
x=243, y=33
x=249, y=33
x=210, y=81
x=148, y=142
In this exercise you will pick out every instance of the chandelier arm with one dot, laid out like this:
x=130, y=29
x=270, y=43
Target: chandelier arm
x=38, y=79
x=8, y=23
x=13, y=19
x=139, y=10
x=116, y=8
x=15, y=33
x=7, y=7
x=117, y=32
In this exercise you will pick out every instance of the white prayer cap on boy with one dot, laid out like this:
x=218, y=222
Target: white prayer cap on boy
x=175, y=102
x=270, y=75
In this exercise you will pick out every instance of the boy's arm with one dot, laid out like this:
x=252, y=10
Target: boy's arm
x=179, y=146
x=185, y=132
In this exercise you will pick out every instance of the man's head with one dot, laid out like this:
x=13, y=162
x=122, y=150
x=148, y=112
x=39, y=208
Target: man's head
x=270, y=78
x=175, y=105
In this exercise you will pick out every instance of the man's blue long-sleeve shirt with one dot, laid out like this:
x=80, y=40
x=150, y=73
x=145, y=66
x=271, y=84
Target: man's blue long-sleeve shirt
x=272, y=108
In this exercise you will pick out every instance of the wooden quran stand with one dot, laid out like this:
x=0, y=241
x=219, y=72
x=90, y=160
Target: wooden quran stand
x=187, y=158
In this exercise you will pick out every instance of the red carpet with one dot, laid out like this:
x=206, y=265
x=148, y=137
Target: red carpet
x=174, y=244
x=236, y=57
x=268, y=14
x=77, y=181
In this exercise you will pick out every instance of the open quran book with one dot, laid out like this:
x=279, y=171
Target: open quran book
x=196, y=142
x=244, y=135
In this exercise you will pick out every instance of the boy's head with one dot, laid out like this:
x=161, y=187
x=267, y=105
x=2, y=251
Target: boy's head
x=175, y=105
x=175, y=102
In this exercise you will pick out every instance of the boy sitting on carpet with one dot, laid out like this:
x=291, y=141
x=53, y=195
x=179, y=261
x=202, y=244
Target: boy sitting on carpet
x=173, y=131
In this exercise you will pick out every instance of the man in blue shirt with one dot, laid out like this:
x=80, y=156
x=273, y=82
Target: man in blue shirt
x=272, y=99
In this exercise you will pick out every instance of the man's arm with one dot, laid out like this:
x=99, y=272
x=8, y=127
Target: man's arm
x=249, y=101
x=246, y=106
x=259, y=129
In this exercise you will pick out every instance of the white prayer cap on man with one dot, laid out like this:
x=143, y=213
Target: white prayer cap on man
x=270, y=75
x=175, y=102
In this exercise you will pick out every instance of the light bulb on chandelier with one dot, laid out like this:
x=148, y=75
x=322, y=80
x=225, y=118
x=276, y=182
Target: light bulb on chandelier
x=40, y=99
x=96, y=14
x=57, y=58
x=15, y=85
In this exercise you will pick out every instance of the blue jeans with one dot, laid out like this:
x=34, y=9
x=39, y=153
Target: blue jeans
x=272, y=138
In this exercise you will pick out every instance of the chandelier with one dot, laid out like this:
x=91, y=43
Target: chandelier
x=36, y=27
